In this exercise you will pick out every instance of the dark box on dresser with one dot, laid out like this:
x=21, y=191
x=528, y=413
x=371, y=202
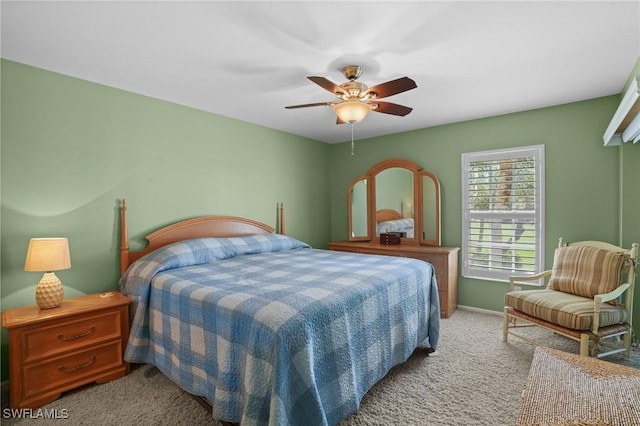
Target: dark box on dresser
x=390, y=238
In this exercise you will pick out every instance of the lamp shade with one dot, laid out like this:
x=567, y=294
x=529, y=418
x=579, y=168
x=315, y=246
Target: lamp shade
x=47, y=254
x=352, y=111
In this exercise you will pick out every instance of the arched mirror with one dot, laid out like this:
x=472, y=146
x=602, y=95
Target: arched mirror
x=397, y=196
x=358, y=207
x=430, y=209
x=393, y=196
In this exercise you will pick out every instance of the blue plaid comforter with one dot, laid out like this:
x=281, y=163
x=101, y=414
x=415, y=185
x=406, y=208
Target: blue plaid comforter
x=274, y=332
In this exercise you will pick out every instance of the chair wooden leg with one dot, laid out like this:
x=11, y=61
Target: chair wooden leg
x=584, y=344
x=626, y=342
x=505, y=325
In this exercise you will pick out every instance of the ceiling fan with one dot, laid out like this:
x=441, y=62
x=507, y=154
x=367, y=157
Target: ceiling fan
x=355, y=99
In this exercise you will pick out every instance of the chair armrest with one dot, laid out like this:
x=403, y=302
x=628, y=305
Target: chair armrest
x=606, y=297
x=522, y=280
x=599, y=299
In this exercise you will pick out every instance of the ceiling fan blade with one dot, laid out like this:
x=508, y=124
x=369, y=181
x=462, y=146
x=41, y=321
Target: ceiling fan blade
x=391, y=108
x=392, y=87
x=339, y=121
x=328, y=85
x=310, y=105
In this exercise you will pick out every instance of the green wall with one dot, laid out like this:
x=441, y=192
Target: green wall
x=630, y=200
x=629, y=189
x=71, y=149
x=583, y=178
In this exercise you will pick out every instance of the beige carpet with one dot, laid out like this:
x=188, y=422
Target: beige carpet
x=473, y=379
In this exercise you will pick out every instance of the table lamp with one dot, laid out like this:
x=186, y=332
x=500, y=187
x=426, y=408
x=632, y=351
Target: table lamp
x=48, y=255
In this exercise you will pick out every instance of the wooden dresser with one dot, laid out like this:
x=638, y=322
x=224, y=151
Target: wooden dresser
x=55, y=350
x=443, y=259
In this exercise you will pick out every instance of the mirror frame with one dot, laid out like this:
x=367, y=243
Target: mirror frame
x=417, y=210
x=418, y=175
x=366, y=237
x=436, y=240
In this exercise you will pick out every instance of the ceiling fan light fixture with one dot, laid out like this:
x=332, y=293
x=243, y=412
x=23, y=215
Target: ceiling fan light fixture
x=353, y=103
x=351, y=111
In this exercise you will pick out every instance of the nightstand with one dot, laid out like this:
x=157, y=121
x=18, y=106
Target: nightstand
x=54, y=350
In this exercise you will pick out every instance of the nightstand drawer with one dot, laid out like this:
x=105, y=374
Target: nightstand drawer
x=69, y=371
x=68, y=335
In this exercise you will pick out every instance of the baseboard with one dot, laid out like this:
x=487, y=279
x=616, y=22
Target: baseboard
x=480, y=310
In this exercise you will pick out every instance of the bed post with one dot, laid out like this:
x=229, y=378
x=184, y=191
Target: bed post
x=282, y=218
x=124, y=238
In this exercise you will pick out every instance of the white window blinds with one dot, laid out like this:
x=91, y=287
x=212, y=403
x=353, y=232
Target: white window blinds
x=503, y=207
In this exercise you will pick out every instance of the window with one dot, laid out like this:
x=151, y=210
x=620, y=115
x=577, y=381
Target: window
x=503, y=213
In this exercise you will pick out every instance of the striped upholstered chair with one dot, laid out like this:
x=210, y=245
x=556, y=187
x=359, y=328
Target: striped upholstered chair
x=588, y=297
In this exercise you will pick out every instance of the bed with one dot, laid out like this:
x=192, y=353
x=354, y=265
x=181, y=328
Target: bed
x=267, y=329
x=389, y=220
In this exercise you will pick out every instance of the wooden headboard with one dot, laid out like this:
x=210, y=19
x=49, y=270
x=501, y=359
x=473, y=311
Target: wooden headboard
x=197, y=227
x=387, y=214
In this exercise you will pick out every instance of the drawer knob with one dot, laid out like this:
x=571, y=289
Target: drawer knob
x=77, y=367
x=77, y=336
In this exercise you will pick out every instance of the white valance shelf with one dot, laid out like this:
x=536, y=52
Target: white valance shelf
x=625, y=124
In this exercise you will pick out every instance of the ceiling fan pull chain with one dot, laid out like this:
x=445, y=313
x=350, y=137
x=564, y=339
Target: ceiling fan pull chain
x=352, y=144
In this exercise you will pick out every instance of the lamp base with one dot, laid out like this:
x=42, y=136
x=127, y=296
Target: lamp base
x=49, y=292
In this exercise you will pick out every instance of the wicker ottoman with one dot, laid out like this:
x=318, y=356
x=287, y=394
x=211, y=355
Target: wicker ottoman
x=567, y=389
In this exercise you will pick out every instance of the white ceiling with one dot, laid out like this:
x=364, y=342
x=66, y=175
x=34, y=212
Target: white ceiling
x=248, y=60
